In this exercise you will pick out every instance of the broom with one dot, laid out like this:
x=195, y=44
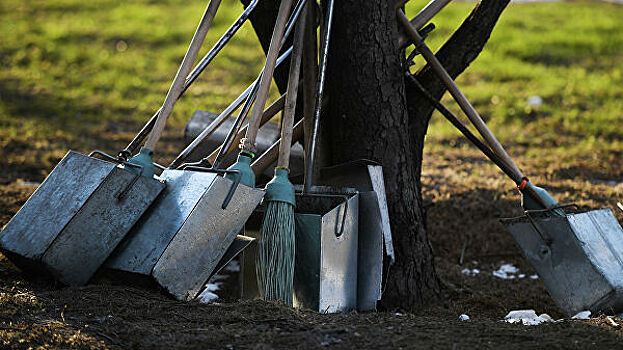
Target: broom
x=275, y=265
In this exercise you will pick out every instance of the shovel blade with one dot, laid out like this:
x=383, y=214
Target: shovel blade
x=143, y=246
x=194, y=252
x=76, y=218
x=579, y=258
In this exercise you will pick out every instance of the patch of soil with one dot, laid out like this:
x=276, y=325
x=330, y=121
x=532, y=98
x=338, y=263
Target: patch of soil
x=35, y=314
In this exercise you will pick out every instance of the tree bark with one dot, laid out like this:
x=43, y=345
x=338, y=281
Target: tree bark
x=374, y=114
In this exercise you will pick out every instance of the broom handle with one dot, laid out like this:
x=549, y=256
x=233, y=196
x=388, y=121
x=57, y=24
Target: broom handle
x=183, y=71
x=272, y=153
x=248, y=143
x=287, y=116
x=454, y=90
x=269, y=112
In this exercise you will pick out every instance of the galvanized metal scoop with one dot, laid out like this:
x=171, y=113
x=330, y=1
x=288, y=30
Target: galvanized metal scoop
x=76, y=217
x=375, y=237
x=188, y=230
x=85, y=206
x=579, y=256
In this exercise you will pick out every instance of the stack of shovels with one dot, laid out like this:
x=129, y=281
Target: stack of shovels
x=319, y=242
x=178, y=225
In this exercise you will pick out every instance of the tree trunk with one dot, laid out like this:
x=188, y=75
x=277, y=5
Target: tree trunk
x=372, y=114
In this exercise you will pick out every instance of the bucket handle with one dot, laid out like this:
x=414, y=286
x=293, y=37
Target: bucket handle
x=342, y=225
x=123, y=193
x=232, y=188
x=339, y=232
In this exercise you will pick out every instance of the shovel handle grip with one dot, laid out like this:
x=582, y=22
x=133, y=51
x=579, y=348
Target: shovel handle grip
x=178, y=82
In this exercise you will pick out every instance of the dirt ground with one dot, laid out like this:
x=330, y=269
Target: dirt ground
x=465, y=197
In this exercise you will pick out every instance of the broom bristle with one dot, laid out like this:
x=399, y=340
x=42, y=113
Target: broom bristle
x=275, y=265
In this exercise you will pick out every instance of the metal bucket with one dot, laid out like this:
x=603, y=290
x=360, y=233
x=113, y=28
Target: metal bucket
x=325, y=272
x=578, y=256
x=76, y=217
x=374, y=230
x=188, y=230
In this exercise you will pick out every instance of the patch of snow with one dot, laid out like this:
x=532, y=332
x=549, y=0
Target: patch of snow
x=527, y=317
x=463, y=317
x=534, y=277
x=471, y=272
x=398, y=314
x=233, y=266
x=582, y=315
x=506, y=271
x=612, y=322
x=207, y=295
x=521, y=275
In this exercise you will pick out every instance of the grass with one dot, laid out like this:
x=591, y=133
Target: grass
x=569, y=54
x=68, y=65
x=69, y=69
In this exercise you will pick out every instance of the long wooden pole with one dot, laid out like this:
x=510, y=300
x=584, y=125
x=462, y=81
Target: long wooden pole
x=178, y=82
x=248, y=143
x=287, y=116
x=454, y=90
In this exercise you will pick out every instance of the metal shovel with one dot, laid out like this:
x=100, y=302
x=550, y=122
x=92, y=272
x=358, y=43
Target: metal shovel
x=189, y=230
x=76, y=217
x=185, y=235
x=84, y=208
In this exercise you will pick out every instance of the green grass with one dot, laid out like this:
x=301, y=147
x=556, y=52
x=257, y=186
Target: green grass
x=68, y=66
x=570, y=54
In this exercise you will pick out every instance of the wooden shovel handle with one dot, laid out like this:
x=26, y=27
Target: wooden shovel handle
x=178, y=82
x=270, y=156
x=267, y=76
x=454, y=90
